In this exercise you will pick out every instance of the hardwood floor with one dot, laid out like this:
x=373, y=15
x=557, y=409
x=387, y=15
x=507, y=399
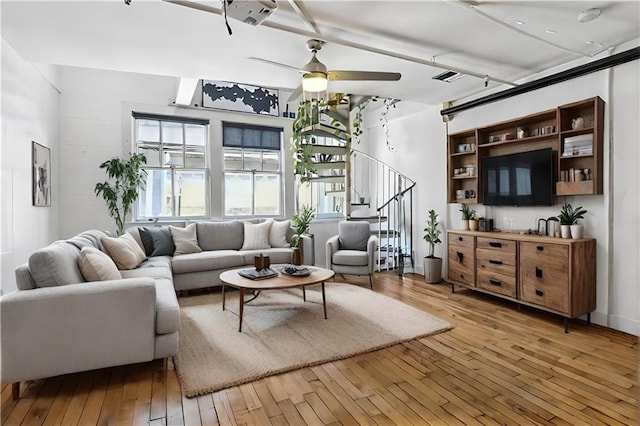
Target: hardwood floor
x=497, y=366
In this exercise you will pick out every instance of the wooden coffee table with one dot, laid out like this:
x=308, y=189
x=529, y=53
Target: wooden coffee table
x=232, y=279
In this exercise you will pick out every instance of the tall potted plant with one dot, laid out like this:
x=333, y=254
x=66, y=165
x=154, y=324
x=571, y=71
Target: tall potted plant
x=300, y=222
x=126, y=178
x=432, y=264
x=569, y=227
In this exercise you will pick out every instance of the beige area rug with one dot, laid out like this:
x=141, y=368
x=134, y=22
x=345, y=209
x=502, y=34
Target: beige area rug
x=280, y=332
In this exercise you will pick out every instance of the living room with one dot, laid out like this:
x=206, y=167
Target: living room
x=84, y=116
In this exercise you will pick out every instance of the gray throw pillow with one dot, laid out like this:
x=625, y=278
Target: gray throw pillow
x=157, y=241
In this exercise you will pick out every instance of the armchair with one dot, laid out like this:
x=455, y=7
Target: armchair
x=353, y=250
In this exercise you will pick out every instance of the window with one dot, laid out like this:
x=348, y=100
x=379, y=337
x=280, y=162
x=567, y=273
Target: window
x=177, y=175
x=252, y=170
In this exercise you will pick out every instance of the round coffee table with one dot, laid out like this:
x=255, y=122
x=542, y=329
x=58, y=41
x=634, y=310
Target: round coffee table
x=233, y=279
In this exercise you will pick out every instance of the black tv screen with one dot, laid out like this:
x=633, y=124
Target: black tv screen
x=522, y=179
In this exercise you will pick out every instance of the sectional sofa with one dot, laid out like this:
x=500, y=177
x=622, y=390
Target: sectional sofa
x=96, y=301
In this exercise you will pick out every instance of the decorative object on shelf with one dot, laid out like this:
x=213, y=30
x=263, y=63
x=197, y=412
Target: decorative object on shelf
x=467, y=214
x=300, y=222
x=240, y=97
x=553, y=227
x=261, y=262
x=577, y=123
x=569, y=221
x=485, y=225
x=474, y=222
x=41, y=175
x=521, y=133
x=432, y=264
x=126, y=179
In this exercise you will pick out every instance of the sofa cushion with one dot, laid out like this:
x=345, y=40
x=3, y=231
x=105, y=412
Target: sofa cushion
x=90, y=238
x=276, y=255
x=353, y=235
x=97, y=266
x=157, y=241
x=124, y=250
x=206, y=261
x=220, y=235
x=351, y=258
x=56, y=264
x=278, y=233
x=155, y=267
x=167, y=307
x=185, y=239
x=256, y=235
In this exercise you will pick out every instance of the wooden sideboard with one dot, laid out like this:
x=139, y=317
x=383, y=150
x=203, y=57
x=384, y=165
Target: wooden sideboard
x=553, y=274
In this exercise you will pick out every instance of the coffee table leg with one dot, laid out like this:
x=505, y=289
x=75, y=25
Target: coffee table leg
x=304, y=294
x=324, y=302
x=223, y=297
x=241, y=299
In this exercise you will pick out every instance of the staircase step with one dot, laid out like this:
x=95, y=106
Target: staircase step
x=327, y=149
x=325, y=131
x=328, y=179
x=339, y=165
x=371, y=219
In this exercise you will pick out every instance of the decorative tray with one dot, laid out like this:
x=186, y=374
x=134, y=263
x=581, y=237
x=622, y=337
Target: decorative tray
x=295, y=271
x=254, y=274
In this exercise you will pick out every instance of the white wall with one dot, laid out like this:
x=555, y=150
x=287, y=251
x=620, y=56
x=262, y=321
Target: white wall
x=30, y=110
x=612, y=217
x=95, y=125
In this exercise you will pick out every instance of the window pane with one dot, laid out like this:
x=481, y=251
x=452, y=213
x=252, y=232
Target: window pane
x=172, y=157
x=148, y=130
x=171, y=132
x=271, y=161
x=195, y=158
x=191, y=192
x=237, y=194
x=252, y=160
x=271, y=140
x=232, y=159
x=194, y=134
x=267, y=194
x=251, y=138
x=231, y=136
x=156, y=199
x=152, y=153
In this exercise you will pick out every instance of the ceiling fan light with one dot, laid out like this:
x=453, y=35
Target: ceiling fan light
x=314, y=82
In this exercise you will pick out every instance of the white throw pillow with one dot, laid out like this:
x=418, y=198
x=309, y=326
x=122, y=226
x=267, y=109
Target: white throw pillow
x=278, y=234
x=256, y=235
x=124, y=250
x=185, y=239
x=97, y=266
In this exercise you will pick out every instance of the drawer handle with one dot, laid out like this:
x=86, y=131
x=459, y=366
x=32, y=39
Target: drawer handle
x=538, y=272
x=460, y=238
x=496, y=262
x=460, y=256
x=540, y=248
x=539, y=293
x=495, y=282
x=496, y=245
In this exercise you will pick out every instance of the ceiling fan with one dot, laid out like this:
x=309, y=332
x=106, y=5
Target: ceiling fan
x=315, y=75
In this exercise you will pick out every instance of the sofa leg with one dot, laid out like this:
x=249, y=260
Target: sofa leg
x=15, y=391
x=371, y=281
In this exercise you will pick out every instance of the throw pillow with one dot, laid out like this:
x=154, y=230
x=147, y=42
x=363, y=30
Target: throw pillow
x=256, y=235
x=157, y=241
x=124, y=250
x=278, y=233
x=185, y=239
x=97, y=266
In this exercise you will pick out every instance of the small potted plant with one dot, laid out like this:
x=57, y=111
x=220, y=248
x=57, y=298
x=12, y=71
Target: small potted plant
x=432, y=264
x=474, y=223
x=300, y=222
x=467, y=214
x=569, y=227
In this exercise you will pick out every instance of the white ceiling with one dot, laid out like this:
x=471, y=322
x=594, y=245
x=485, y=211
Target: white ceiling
x=156, y=37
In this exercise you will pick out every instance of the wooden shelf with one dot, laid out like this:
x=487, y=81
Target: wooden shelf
x=574, y=156
x=464, y=177
x=457, y=154
x=574, y=188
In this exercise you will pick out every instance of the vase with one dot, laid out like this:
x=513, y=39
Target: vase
x=577, y=231
x=473, y=224
x=296, y=257
x=565, y=231
x=464, y=225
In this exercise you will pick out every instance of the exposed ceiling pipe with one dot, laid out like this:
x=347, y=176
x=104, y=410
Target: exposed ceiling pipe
x=347, y=43
x=600, y=64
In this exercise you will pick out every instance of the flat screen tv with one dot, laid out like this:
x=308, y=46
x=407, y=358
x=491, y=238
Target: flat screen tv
x=522, y=179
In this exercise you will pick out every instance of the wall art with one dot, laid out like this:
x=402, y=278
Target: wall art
x=239, y=97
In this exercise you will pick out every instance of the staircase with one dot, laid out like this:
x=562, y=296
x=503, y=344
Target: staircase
x=383, y=196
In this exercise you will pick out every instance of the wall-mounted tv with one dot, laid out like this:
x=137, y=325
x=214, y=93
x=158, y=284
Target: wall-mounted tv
x=522, y=179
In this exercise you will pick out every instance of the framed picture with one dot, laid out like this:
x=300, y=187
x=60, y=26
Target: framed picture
x=240, y=97
x=41, y=175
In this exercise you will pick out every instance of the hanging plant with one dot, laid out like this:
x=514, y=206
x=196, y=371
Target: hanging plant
x=358, y=116
x=388, y=103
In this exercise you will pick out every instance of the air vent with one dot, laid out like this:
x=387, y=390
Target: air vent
x=448, y=76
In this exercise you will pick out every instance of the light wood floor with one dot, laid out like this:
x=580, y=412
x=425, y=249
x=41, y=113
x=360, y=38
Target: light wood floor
x=497, y=366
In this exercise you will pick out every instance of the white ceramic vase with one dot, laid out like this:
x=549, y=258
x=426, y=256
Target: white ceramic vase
x=577, y=231
x=565, y=231
x=464, y=225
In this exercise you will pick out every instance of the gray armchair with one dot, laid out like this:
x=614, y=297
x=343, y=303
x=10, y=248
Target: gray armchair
x=353, y=250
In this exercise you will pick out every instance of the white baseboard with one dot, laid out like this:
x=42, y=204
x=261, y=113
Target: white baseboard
x=626, y=325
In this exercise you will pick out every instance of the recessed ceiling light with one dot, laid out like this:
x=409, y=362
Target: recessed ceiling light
x=519, y=22
x=550, y=31
x=589, y=42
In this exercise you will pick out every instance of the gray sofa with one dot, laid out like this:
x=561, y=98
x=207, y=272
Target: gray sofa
x=56, y=323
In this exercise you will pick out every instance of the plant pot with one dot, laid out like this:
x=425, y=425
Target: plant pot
x=577, y=231
x=296, y=257
x=474, y=224
x=432, y=269
x=565, y=231
x=464, y=225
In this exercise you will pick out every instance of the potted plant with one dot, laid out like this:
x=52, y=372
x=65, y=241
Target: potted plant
x=467, y=214
x=126, y=178
x=474, y=223
x=300, y=222
x=432, y=264
x=569, y=227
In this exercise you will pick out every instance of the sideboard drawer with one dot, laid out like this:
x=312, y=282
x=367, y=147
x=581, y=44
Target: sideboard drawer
x=460, y=240
x=461, y=265
x=496, y=244
x=497, y=283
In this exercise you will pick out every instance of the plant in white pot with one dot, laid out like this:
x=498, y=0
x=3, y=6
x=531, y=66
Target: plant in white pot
x=569, y=226
x=467, y=215
x=432, y=264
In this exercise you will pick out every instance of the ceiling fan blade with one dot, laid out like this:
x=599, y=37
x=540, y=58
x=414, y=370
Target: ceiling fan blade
x=363, y=75
x=295, y=94
x=278, y=64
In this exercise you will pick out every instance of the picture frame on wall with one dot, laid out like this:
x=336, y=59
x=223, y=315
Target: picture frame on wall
x=240, y=97
x=41, y=175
